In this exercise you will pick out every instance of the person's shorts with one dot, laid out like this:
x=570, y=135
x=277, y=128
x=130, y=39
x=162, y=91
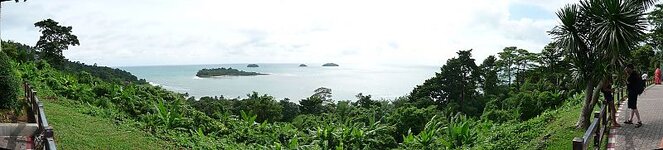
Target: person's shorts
x=608, y=97
x=632, y=101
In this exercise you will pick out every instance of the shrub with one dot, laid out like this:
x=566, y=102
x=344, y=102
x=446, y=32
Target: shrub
x=8, y=84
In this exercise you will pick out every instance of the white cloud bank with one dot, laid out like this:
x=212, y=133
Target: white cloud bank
x=159, y=32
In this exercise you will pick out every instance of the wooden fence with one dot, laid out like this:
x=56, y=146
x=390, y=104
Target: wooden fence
x=43, y=136
x=599, y=127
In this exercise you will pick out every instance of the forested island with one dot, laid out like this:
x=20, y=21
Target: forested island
x=330, y=65
x=303, y=65
x=252, y=65
x=225, y=72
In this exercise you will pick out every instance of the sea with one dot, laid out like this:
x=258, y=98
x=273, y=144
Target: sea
x=290, y=81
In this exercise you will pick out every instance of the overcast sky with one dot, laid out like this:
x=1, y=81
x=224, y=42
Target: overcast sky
x=164, y=32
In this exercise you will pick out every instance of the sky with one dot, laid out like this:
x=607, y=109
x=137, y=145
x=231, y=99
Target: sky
x=166, y=32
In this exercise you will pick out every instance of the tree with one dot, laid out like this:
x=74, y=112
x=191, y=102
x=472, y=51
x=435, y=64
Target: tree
x=289, y=110
x=597, y=36
x=323, y=93
x=553, y=66
x=54, y=40
x=264, y=106
x=313, y=104
x=655, y=36
x=506, y=63
x=524, y=61
x=489, y=76
x=454, y=88
x=365, y=101
x=8, y=84
x=17, y=51
x=643, y=57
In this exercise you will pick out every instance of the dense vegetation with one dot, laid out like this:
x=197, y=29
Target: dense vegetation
x=225, y=72
x=9, y=84
x=508, y=101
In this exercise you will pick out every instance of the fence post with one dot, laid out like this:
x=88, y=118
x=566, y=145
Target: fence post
x=29, y=97
x=577, y=143
x=597, y=132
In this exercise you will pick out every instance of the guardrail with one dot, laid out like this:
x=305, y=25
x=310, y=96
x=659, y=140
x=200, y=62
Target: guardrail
x=599, y=127
x=43, y=137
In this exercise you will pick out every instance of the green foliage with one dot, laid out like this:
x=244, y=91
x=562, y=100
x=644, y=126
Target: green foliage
x=489, y=76
x=264, y=106
x=365, y=101
x=9, y=84
x=454, y=87
x=311, y=105
x=458, y=134
x=17, y=51
x=289, y=110
x=410, y=119
x=643, y=59
x=104, y=73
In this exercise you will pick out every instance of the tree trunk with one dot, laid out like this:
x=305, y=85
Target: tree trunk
x=583, y=120
x=596, y=92
x=591, y=97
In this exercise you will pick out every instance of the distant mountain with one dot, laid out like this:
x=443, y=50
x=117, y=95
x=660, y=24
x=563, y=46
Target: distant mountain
x=225, y=72
x=252, y=65
x=303, y=65
x=330, y=65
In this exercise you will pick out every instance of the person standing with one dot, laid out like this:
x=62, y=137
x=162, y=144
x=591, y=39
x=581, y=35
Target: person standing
x=633, y=85
x=609, y=100
x=645, y=76
x=657, y=76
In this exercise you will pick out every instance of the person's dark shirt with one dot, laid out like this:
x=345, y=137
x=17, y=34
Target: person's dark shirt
x=633, y=80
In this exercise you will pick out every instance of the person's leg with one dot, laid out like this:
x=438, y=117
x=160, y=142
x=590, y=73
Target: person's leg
x=637, y=114
x=612, y=115
x=631, y=116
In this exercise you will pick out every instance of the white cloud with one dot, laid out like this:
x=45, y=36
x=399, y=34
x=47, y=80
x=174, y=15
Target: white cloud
x=155, y=32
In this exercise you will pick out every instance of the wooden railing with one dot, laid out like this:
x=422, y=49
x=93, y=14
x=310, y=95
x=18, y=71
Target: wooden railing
x=599, y=127
x=43, y=137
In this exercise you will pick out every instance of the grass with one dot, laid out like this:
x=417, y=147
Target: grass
x=75, y=130
x=561, y=131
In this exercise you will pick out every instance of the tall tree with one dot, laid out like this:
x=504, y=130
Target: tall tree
x=524, y=60
x=454, y=88
x=643, y=56
x=489, y=77
x=597, y=35
x=655, y=35
x=507, y=63
x=54, y=39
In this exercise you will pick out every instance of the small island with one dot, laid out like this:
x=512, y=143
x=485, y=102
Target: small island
x=330, y=65
x=225, y=72
x=303, y=65
x=252, y=65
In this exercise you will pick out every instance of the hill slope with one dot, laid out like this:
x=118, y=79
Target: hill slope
x=75, y=130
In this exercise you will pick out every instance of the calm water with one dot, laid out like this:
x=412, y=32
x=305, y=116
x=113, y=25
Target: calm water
x=290, y=80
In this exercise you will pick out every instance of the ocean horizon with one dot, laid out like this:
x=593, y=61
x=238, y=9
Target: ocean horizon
x=288, y=80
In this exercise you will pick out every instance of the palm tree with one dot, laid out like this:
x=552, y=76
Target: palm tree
x=598, y=35
x=0, y=15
